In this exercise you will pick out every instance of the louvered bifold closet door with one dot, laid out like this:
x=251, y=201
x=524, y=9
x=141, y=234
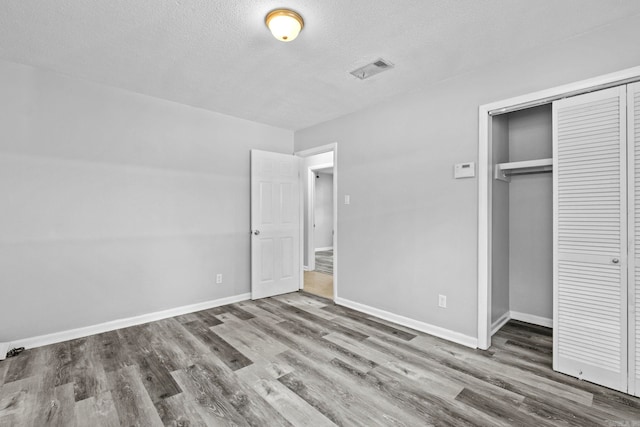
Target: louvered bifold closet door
x=633, y=137
x=590, y=244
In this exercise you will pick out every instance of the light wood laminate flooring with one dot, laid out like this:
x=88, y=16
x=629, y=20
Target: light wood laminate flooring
x=318, y=284
x=298, y=360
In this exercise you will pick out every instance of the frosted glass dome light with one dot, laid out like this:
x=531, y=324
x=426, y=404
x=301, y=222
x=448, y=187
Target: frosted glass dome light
x=285, y=25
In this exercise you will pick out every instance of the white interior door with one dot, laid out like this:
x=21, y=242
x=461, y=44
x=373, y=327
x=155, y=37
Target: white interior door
x=633, y=120
x=590, y=237
x=275, y=224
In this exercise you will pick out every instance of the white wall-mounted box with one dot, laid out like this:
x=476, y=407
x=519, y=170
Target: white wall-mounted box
x=464, y=170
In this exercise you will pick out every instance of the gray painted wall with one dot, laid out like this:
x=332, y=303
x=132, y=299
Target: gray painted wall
x=410, y=232
x=531, y=215
x=500, y=222
x=324, y=211
x=116, y=204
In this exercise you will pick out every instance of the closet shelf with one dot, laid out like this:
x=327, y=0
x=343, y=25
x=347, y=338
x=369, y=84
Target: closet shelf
x=503, y=171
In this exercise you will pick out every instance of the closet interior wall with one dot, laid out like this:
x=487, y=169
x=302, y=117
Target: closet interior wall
x=522, y=220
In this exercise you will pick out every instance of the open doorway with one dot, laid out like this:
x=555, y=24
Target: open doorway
x=319, y=248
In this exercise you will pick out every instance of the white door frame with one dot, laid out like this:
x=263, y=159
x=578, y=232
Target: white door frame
x=333, y=147
x=485, y=173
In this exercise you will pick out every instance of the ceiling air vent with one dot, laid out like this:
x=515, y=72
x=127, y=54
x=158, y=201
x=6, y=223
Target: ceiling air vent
x=372, y=69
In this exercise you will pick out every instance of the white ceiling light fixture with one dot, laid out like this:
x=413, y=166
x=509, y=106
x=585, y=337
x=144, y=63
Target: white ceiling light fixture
x=285, y=24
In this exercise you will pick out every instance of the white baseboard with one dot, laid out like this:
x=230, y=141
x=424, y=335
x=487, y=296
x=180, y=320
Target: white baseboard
x=4, y=347
x=530, y=318
x=71, y=334
x=328, y=248
x=495, y=327
x=523, y=317
x=305, y=268
x=437, y=331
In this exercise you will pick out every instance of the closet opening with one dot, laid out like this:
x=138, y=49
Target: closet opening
x=490, y=122
x=522, y=220
x=560, y=250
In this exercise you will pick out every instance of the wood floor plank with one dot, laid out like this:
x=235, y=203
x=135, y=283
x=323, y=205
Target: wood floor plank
x=59, y=411
x=366, y=320
x=26, y=364
x=248, y=339
x=295, y=313
x=225, y=351
x=4, y=366
x=428, y=400
x=509, y=378
x=339, y=397
x=130, y=398
x=60, y=359
x=155, y=374
x=443, y=381
x=612, y=411
x=86, y=370
x=96, y=411
x=19, y=401
x=368, y=328
x=306, y=342
x=253, y=308
x=155, y=345
x=329, y=350
x=186, y=318
x=255, y=410
x=523, y=327
x=166, y=345
x=297, y=360
x=238, y=311
x=558, y=415
x=206, y=398
x=207, y=317
x=176, y=410
x=297, y=411
x=502, y=411
x=54, y=396
x=318, y=328
x=304, y=300
x=184, y=346
x=111, y=352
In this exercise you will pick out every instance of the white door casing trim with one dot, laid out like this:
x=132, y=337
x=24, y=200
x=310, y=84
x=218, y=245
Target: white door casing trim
x=485, y=172
x=332, y=147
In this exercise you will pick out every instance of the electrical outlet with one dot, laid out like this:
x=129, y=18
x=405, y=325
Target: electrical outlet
x=442, y=301
x=218, y=278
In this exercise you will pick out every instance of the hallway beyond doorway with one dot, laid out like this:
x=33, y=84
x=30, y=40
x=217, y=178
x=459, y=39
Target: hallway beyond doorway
x=320, y=281
x=324, y=262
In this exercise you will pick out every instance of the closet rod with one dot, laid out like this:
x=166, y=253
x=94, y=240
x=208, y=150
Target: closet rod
x=504, y=170
x=506, y=173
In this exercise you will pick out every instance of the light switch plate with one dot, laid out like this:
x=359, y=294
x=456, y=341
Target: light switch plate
x=464, y=170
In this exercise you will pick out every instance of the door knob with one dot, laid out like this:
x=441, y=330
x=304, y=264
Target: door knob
x=615, y=260
x=256, y=232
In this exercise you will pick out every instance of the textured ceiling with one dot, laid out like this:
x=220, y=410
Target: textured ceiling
x=219, y=55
